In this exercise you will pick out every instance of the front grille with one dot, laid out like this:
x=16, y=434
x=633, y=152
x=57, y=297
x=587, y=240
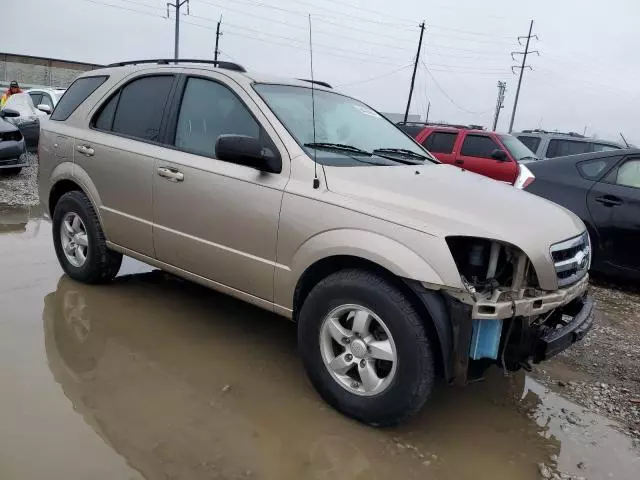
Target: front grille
x=571, y=259
x=7, y=136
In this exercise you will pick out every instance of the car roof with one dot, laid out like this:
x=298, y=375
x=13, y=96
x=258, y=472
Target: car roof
x=242, y=77
x=566, y=136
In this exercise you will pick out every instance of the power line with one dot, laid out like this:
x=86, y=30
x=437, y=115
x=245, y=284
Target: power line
x=522, y=68
x=448, y=97
x=177, y=6
x=120, y=7
x=377, y=77
x=415, y=68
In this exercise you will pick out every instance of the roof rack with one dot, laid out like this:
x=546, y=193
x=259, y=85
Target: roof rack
x=316, y=82
x=167, y=61
x=441, y=124
x=539, y=130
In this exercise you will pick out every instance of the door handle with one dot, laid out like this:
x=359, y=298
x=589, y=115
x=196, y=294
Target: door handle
x=86, y=150
x=609, y=200
x=171, y=174
x=458, y=162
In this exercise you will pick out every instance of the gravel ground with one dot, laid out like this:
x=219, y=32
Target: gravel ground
x=21, y=189
x=602, y=372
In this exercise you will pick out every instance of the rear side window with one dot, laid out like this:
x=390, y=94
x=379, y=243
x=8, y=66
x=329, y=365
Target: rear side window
x=440, y=142
x=411, y=130
x=594, y=169
x=603, y=147
x=560, y=147
x=478, y=146
x=75, y=95
x=136, y=110
x=532, y=143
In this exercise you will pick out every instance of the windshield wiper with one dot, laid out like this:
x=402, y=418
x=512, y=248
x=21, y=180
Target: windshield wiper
x=402, y=151
x=529, y=157
x=338, y=146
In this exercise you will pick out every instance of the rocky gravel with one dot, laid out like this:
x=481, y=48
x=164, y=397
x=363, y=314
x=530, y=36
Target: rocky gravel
x=602, y=373
x=21, y=189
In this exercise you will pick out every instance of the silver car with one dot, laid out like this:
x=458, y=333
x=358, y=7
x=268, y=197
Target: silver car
x=554, y=144
x=397, y=269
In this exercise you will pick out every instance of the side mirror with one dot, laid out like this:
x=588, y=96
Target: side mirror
x=499, y=155
x=249, y=151
x=9, y=113
x=44, y=108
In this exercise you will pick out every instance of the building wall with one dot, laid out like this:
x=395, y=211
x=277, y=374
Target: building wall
x=39, y=71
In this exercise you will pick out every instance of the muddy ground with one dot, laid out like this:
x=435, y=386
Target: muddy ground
x=153, y=377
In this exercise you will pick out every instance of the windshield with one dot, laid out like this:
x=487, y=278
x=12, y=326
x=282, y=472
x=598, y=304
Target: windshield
x=341, y=121
x=517, y=149
x=22, y=103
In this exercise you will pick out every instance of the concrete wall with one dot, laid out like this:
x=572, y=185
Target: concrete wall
x=39, y=72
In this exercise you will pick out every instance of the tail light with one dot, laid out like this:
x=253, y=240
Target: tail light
x=525, y=177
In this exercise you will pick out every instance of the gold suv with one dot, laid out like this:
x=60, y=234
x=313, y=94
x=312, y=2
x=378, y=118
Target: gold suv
x=300, y=200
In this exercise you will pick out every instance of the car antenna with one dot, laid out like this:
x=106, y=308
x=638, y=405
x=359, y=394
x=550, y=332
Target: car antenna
x=624, y=140
x=316, y=181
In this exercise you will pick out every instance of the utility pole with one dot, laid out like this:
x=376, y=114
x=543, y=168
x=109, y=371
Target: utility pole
x=215, y=54
x=521, y=67
x=415, y=67
x=177, y=7
x=502, y=86
x=428, y=108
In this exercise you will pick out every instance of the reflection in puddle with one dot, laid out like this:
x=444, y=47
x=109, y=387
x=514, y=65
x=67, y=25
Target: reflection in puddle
x=186, y=383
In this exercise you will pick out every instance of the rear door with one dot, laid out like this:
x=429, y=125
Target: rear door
x=119, y=152
x=475, y=156
x=614, y=204
x=441, y=143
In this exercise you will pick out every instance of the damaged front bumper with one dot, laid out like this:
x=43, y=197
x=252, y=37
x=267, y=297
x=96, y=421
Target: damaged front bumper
x=531, y=328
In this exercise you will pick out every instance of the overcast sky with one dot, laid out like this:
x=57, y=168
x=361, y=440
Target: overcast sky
x=586, y=75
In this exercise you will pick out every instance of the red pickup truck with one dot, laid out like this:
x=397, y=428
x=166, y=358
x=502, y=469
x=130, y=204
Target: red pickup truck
x=495, y=155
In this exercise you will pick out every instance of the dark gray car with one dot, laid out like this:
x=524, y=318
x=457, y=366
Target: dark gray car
x=11, y=145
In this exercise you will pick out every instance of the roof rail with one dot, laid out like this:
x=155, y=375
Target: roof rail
x=539, y=130
x=167, y=61
x=440, y=124
x=316, y=82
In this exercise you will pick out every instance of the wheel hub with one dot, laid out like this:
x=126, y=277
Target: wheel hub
x=358, y=348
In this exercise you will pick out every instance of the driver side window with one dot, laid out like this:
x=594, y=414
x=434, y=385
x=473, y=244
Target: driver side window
x=209, y=110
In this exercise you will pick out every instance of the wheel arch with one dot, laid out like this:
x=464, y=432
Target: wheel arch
x=79, y=181
x=429, y=304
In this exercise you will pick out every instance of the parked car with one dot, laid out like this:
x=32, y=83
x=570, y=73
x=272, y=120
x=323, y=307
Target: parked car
x=45, y=99
x=395, y=267
x=495, y=155
x=603, y=189
x=28, y=119
x=11, y=144
x=554, y=144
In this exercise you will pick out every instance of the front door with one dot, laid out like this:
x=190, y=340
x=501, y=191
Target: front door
x=213, y=218
x=475, y=156
x=614, y=205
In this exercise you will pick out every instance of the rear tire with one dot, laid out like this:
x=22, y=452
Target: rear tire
x=80, y=242
x=411, y=368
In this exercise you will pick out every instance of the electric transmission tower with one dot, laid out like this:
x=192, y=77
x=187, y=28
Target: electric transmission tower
x=521, y=68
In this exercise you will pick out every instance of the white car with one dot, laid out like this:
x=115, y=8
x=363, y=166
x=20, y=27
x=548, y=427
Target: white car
x=45, y=99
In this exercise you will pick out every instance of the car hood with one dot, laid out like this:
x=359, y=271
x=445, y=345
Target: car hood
x=443, y=200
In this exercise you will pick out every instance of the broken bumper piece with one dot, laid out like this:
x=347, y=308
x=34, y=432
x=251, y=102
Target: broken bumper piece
x=553, y=342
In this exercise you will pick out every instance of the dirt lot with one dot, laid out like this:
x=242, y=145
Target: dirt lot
x=153, y=377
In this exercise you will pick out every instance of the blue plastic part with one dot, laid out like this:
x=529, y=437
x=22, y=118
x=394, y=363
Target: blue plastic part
x=485, y=339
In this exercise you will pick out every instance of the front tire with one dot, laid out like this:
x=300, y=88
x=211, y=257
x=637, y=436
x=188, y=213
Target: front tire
x=80, y=242
x=365, y=348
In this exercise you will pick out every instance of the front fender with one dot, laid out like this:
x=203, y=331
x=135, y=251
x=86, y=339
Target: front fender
x=376, y=248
